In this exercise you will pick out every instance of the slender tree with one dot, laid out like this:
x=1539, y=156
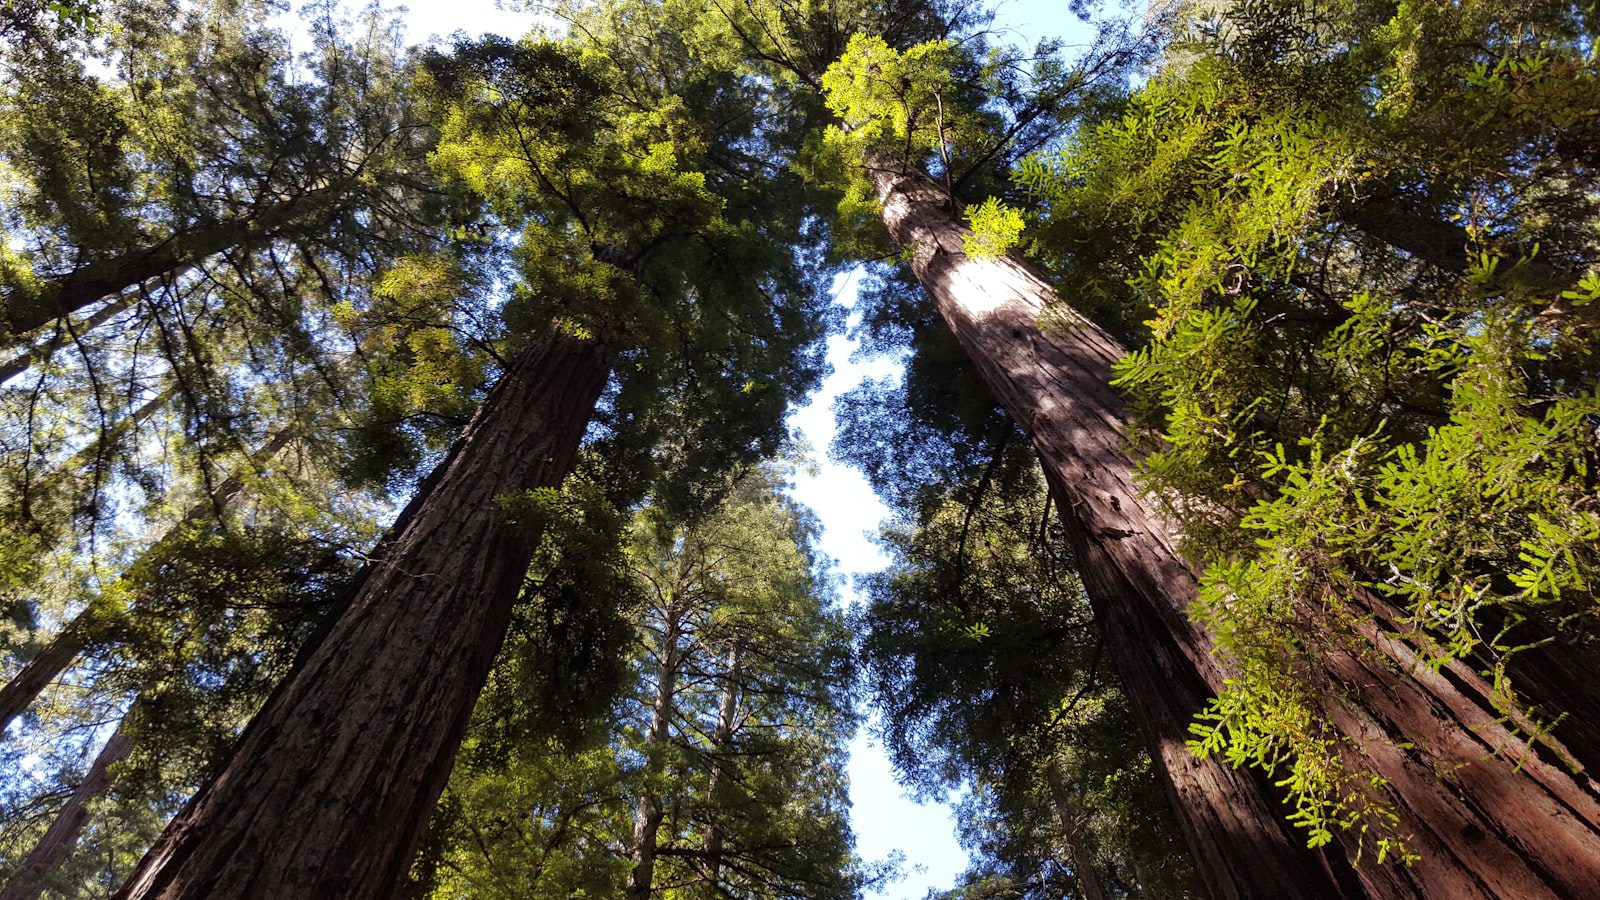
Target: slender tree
x=713, y=778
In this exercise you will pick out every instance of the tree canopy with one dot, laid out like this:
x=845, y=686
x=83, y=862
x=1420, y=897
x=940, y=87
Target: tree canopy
x=395, y=453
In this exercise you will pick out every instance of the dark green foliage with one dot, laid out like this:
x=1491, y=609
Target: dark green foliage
x=209, y=622
x=984, y=662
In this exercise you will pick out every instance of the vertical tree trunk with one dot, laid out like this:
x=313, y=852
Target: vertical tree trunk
x=721, y=743
x=647, y=817
x=58, y=655
x=1067, y=811
x=1492, y=830
x=23, y=311
x=332, y=784
x=62, y=836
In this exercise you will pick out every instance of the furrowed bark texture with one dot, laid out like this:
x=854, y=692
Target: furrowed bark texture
x=1057, y=386
x=43, y=669
x=332, y=784
x=1482, y=828
x=57, y=843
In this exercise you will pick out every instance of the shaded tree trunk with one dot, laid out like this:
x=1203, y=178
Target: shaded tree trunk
x=43, y=669
x=58, y=655
x=647, y=817
x=1083, y=868
x=1439, y=243
x=721, y=743
x=331, y=786
x=57, y=843
x=23, y=311
x=1491, y=831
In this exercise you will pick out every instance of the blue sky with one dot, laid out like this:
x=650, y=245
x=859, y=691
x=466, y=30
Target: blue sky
x=885, y=821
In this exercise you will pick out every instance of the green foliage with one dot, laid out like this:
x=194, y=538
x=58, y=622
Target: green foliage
x=981, y=656
x=543, y=799
x=184, y=648
x=610, y=155
x=1341, y=428
x=996, y=228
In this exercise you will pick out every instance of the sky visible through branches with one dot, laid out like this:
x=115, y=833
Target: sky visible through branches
x=885, y=821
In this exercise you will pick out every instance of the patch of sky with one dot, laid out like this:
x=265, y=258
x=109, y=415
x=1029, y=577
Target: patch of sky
x=887, y=824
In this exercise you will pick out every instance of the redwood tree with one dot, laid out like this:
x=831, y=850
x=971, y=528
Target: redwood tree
x=1052, y=369
x=634, y=252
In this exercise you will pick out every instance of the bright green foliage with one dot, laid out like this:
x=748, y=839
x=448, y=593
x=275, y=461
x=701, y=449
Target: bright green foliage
x=898, y=107
x=996, y=228
x=426, y=356
x=167, y=125
x=885, y=95
x=529, y=815
x=959, y=110
x=608, y=155
x=1361, y=238
x=984, y=661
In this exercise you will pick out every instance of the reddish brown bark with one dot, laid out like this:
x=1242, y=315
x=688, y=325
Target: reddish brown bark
x=57, y=843
x=332, y=783
x=1486, y=830
x=42, y=670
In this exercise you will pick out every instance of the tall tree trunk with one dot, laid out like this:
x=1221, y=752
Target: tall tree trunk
x=42, y=352
x=647, y=817
x=330, y=788
x=721, y=744
x=1492, y=830
x=43, y=669
x=23, y=311
x=57, y=843
x=1067, y=811
x=58, y=655
x=1057, y=386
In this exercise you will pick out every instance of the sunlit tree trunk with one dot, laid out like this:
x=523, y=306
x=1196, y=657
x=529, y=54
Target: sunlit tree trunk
x=1481, y=827
x=331, y=786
